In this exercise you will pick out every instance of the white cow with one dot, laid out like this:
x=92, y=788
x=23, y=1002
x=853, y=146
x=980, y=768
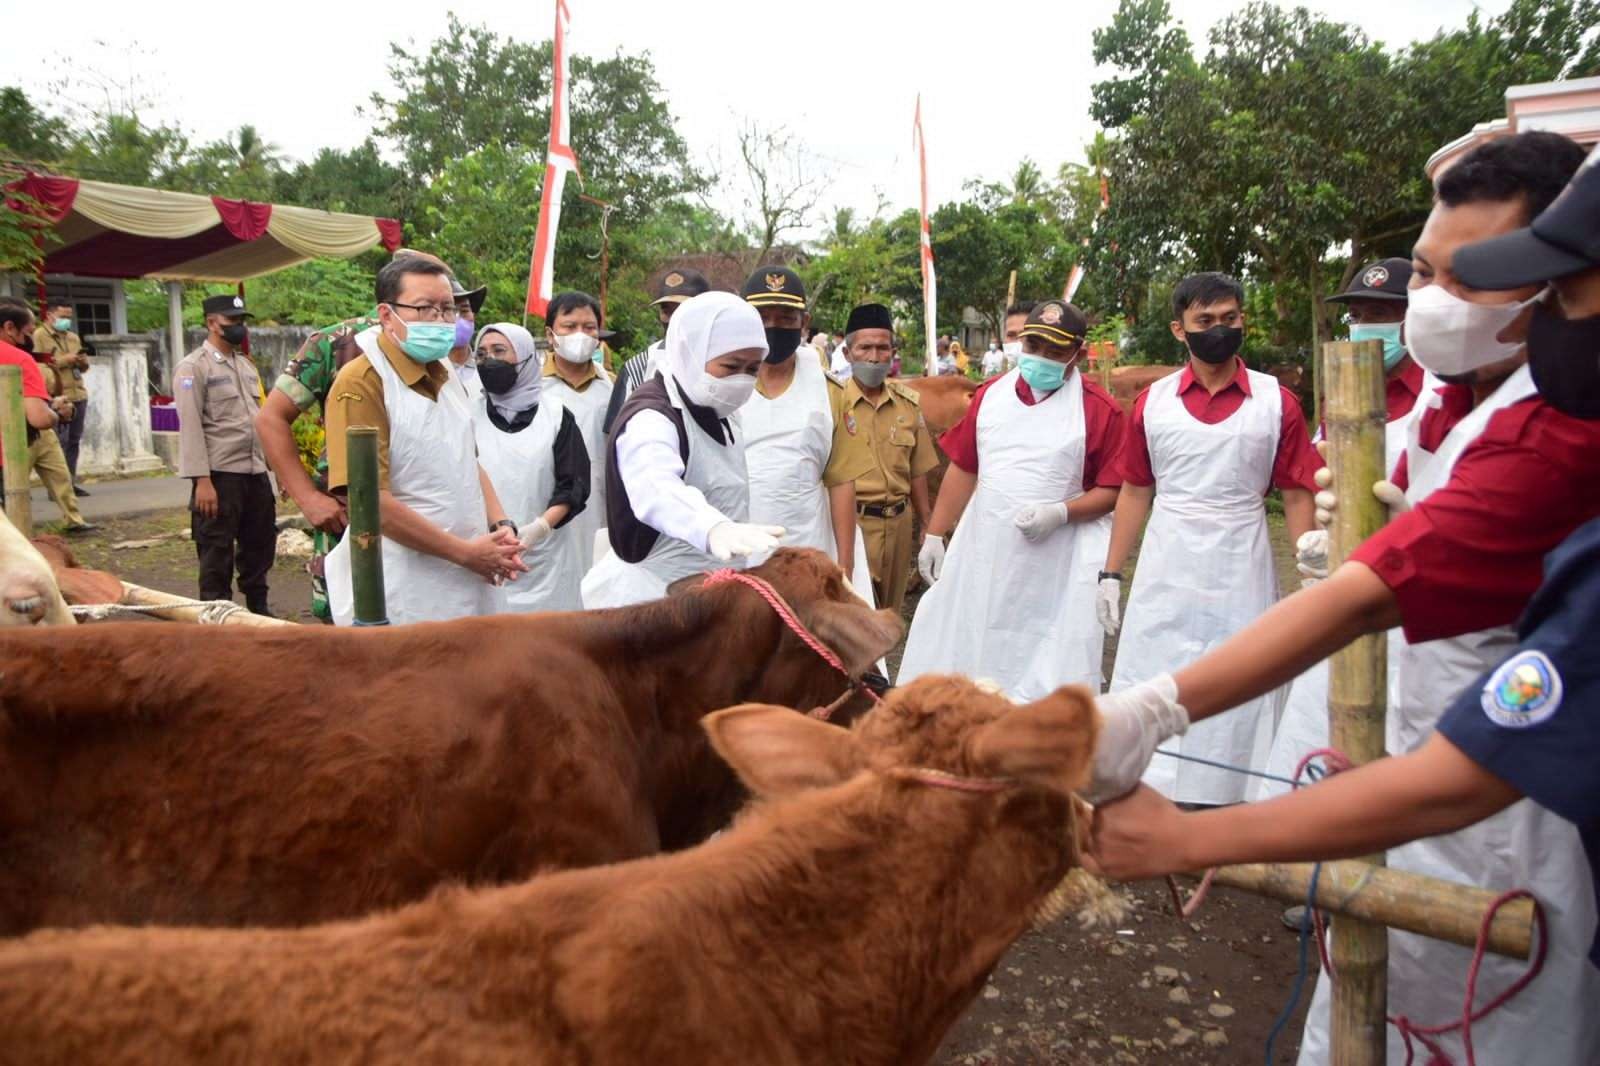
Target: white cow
x=28, y=592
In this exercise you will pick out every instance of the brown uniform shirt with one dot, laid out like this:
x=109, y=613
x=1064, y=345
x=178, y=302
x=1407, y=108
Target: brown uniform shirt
x=356, y=399
x=846, y=462
x=68, y=350
x=891, y=432
x=217, y=396
x=590, y=373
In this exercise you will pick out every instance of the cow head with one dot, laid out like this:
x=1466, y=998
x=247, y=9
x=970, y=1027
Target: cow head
x=825, y=603
x=28, y=591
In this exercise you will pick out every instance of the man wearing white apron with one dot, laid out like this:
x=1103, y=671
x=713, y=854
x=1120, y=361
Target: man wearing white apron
x=1376, y=298
x=1457, y=564
x=447, y=543
x=1205, y=445
x=533, y=452
x=802, y=476
x=461, y=365
x=679, y=498
x=579, y=384
x=1012, y=601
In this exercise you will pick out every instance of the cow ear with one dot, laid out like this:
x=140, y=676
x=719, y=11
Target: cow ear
x=860, y=635
x=1049, y=742
x=776, y=751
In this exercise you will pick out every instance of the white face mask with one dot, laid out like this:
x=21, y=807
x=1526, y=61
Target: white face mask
x=1013, y=350
x=577, y=347
x=1452, y=337
x=723, y=395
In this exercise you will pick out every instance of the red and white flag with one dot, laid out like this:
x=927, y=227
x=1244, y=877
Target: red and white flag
x=560, y=159
x=930, y=283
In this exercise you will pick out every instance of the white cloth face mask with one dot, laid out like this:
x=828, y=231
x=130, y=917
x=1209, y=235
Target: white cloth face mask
x=1451, y=336
x=577, y=347
x=723, y=395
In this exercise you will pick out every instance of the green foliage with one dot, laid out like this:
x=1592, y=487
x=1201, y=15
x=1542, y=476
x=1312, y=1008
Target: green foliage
x=317, y=293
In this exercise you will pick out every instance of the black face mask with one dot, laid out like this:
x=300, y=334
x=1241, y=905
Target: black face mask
x=1215, y=345
x=781, y=343
x=1564, y=358
x=235, y=334
x=497, y=375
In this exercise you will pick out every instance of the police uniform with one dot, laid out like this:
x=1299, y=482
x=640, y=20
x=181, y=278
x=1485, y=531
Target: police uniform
x=218, y=395
x=889, y=428
x=69, y=356
x=675, y=287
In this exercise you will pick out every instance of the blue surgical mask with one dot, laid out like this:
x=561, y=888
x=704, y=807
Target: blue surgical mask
x=428, y=342
x=1041, y=374
x=1394, y=349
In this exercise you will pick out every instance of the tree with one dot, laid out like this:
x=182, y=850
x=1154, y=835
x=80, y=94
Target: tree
x=780, y=190
x=26, y=133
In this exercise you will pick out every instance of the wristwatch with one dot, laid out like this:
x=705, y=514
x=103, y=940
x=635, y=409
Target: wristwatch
x=508, y=523
x=1114, y=575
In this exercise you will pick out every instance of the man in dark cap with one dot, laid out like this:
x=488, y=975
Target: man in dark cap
x=233, y=516
x=673, y=289
x=883, y=421
x=468, y=303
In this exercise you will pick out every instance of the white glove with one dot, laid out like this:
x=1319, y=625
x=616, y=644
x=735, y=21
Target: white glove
x=1133, y=723
x=1311, y=554
x=1038, y=520
x=1108, y=605
x=535, y=533
x=1388, y=493
x=728, y=539
x=930, y=560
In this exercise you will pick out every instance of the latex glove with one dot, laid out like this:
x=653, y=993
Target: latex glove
x=1038, y=520
x=728, y=539
x=1388, y=493
x=1133, y=723
x=1311, y=554
x=535, y=533
x=1108, y=605
x=930, y=560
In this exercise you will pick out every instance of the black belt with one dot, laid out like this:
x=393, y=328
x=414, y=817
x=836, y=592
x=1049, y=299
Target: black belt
x=882, y=510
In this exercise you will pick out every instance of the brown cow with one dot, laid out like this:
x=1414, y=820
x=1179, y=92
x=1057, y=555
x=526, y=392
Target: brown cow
x=224, y=777
x=849, y=918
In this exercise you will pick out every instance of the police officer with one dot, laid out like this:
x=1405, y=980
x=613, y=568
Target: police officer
x=675, y=287
x=883, y=418
x=233, y=516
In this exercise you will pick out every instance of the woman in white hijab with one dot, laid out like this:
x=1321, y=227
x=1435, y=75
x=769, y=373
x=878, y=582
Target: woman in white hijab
x=677, y=496
x=533, y=452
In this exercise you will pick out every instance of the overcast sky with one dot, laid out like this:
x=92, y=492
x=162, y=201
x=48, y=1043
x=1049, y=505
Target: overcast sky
x=999, y=79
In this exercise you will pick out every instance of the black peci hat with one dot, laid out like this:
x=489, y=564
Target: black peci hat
x=1384, y=280
x=774, y=286
x=869, y=316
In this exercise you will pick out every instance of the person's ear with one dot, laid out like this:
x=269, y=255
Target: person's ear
x=777, y=751
x=1177, y=331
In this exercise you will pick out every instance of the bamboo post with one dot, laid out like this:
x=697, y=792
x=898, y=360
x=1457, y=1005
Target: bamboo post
x=1011, y=295
x=14, y=449
x=172, y=608
x=1357, y=679
x=1414, y=902
x=365, y=532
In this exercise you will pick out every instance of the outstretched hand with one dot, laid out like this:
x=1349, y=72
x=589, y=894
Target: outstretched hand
x=1136, y=836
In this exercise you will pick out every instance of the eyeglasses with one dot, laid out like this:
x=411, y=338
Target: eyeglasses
x=430, y=312
x=501, y=352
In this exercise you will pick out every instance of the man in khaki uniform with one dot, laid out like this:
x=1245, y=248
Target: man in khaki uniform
x=45, y=455
x=883, y=418
x=55, y=343
x=218, y=393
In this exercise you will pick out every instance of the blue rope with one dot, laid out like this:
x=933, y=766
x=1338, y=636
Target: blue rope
x=1238, y=769
x=1300, y=973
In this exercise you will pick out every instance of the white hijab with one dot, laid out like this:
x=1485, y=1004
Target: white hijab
x=706, y=327
x=530, y=374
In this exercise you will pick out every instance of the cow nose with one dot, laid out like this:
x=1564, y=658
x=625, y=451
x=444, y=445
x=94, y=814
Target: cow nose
x=31, y=608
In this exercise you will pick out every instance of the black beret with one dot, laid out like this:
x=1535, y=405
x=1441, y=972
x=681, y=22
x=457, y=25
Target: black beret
x=775, y=286
x=869, y=316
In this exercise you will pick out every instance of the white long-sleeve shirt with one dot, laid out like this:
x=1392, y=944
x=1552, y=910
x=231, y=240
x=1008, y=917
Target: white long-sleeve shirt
x=652, y=472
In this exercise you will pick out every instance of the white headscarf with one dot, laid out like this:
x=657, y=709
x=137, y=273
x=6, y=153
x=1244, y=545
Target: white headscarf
x=706, y=327
x=530, y=374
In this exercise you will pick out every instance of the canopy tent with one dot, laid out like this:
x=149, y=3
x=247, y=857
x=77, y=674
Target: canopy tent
x=123, y=231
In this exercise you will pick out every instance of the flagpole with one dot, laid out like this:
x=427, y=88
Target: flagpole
x=559, y=159
x=930, y=281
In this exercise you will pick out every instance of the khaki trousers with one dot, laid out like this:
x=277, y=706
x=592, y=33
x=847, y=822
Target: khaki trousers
x=46, y=458
x=889, y=556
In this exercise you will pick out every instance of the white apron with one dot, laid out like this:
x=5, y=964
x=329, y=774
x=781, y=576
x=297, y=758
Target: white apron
x=1014, y=611
x=588, y=409
x=1304, y=725
x=718, y=471
x=1204, y=572
x=521, y=467
x=1554, y=1021
x=466, y=375
x=433, y=469
x=788, y=441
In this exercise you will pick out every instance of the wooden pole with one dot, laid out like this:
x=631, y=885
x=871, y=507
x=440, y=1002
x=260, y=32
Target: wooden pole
x=179, y=609
x=1414, y=902
x=1357, y=680
x=1011, y=295
x=14, y=449
x=366, y=531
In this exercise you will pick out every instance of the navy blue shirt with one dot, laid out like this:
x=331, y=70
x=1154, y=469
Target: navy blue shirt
x=1534, y=720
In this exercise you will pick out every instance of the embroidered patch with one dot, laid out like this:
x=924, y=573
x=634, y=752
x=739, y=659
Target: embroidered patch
x=776, y=282
x=1375, y=277
x=850, y=424
x=672, y=280
x=1523, y=692
x=1050, y=314
x=186, y=383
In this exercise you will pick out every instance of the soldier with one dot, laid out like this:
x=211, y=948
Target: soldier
x=55, y=343
x=883, y=418
x=231, y=503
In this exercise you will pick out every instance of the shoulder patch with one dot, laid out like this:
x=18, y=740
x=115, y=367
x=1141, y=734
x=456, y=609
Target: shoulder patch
x=1524, y=691
x=905, y=391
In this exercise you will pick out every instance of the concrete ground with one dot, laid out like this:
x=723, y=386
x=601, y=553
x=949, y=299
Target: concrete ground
x=125, y=498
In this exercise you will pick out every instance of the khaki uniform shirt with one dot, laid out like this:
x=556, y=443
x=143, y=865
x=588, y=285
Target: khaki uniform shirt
x=47, y=341
x=217, y=397
x=846, y=462
x=891, y=431
x=590, y=373
x=356, y=399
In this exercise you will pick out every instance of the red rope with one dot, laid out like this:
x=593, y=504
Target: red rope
x=781, y=608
